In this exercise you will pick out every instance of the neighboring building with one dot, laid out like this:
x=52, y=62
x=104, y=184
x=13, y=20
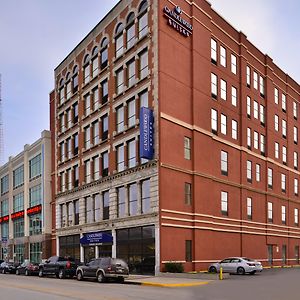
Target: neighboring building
x=224, y=176
x=25, y=222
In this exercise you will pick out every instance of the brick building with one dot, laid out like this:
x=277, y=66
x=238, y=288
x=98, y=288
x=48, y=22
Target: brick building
x=223, y=179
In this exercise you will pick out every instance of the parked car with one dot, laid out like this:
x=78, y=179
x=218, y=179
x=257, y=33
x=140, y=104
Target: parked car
x=104, y=268
x=28, y=268
x=58, y=266
x=238, y=265
x=8, y=267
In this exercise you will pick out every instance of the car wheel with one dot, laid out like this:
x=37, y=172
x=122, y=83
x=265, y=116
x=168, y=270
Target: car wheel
x=17, y=272
x=61, y=274
x=100, y=277
x=252, y=273
x=3, y=271
x=120, y=279
x=240, y=271
x=79, y=276
x=41, y=273
x=26, y=273
x=212, y=270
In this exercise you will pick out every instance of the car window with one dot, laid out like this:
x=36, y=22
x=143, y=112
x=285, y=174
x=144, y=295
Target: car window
x=121, y=262
x=235, y=260
x=226, y=261
x=53, y=259
x=248, y=259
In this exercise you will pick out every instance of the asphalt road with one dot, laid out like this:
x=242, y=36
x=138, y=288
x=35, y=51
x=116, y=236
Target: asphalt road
x=276, y=284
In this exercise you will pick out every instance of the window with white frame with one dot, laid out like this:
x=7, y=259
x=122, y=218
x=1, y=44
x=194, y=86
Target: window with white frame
x=130, y=31
x=222, y=56
x=283, y=183
x=248, y=137
x=223, y=124
x=96, y=167
x=283, y=214
x=143, y=19
x=284, y=128
x=255, y=110
x=270, y=178
x=233, y=64
x=119, y=81
x=262, y=144
x=87, y=137
x=261, y=85
x=248, y=74
x=249, y=171
x=295, y=160
x=257, y=172
x=96, y=139
x=87, y=171
x=296, y=216
x=131, y=146
x=284, y=154
x=143, y=64
x=276, y=123
x=270, y=211
x=120, y=118
x=255, y=140
x=214, y=85
x=283, y=102
x=87, y=104
x=224, y=162
x=131, y=73
x=249, y=208
x=120, y=158
x=223, y=89
x=295, y=135
x=233, y=96
x=187, y=148
x=248, y=106
x=131, y=113
x=296, y=186
x=276, y=150
x=234, y=129
x=276, y=96
x=119, y=40
x=295, y=109
x=86, y=69
x=213, y=50
x=95, y=62
x=255, y=80
x=214, y=120
x=262, y=114
x=224, y=203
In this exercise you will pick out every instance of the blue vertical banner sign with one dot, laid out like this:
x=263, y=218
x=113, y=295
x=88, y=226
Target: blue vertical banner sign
x=146, y=133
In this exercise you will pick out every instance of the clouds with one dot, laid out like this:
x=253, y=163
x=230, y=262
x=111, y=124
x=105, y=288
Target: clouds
x=272, y=26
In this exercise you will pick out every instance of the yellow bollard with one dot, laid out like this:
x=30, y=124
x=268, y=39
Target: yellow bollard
x=221, y=274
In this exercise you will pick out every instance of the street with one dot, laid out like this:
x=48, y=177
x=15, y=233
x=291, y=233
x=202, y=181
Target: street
x=275, y=284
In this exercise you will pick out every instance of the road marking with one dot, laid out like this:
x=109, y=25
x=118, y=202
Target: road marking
x=175, y=284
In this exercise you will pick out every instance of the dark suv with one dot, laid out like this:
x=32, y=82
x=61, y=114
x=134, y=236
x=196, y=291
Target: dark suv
x=104, y=268
x=58, y=266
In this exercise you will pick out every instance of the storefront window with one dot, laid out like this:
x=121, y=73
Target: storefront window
x=19, y=227
x=19, y=253
x=70, y=246
x=35, y=224
x=35, y=252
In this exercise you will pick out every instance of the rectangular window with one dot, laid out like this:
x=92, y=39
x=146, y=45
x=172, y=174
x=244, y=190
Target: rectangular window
x=18, y=202
x=35, y=224
x=261, y=86
x=283, y=183
x=223, y=124
x=87, y=105
x=96, y=168
x=4, y=208
x=248, y=106
x=143, y=68
x=295, y=160
x=283, y=102
x=119, y=81
x=89, y=209
x=276, y=150
x=121, y=201
x=96, y=138
x=249, y=137
x=283, y=214
x=87, y=137
x=262, y=144
x=146, y=200
x=35, y=195
x=270, y=178
x=233, y=96
x=18, y=177
x=18, y=225
x=284, y=154
x=214, y=85
x=187, y=148
x=270, y=211
x=213, y=51
x=187, y=193
x=69, y=118
x=131, y=113
x=4, y=230
x=105, y=164
x=132, y=199
x=104, y=127
x=233, y=64
x=234, y=132
x=87, y=171
x=223, y=56
x=296, y=186
x=131, y=147
x=248, y=73
x=105, y=199
x=130, y=36
x=120, y=158
x=75, y=143
x=257, y=172
x=255, y=80
x=255, y=110
x=295, y=110
x=249, y=171
x=119, y=45
x=120, y=119
x=143, y=25
x=104, y=91
x=249, y=208
x=188, y=251
x=276, y=96
x=255, y=140
x=276, y=123
x=95, y=65
x=35, y=167
x=75, y=113
x=76, y=176
x=95, y=97
x=224, y=203
x=131, y=73
x=144, y=99
x=223, y=89
x=224, y=163
x=295, y=135
x=296, y=216
x=262, y=114
x=214, y=120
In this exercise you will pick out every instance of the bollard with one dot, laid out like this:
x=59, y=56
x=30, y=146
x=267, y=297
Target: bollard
x=221, y=274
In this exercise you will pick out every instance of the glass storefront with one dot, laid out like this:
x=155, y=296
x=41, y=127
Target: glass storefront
x=19, y=253
x=137, y=247
x=70, y=246
x=35, y=252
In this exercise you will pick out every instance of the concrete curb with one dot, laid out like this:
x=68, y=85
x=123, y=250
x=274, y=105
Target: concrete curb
x=147, y=283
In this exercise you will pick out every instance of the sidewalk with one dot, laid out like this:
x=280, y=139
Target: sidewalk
x=162, y=281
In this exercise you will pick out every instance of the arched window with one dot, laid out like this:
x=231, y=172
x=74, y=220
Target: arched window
x=119, y=40
x=75, y=79
x=61, y=91
x=130, y=30
x=68, y=81
x=95, y=62
x=143, y=19
x=86, y=69
x=104, y=53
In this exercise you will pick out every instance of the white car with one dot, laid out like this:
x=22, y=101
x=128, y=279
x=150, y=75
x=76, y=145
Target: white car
x=236, y=265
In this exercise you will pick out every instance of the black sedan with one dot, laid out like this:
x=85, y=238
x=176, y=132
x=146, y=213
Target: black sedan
x=27, y=268
x=8, y=267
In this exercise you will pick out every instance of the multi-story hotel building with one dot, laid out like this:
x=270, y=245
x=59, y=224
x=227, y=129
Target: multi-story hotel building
x=213, y=174
x=25, y=202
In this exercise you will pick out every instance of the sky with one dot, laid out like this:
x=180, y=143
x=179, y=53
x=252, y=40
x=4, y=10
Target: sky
x=36, y=35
